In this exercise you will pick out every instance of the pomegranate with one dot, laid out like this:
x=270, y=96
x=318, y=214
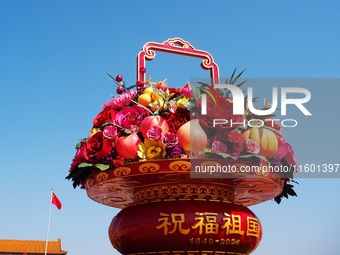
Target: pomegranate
x=192, y=137
x=152, y=121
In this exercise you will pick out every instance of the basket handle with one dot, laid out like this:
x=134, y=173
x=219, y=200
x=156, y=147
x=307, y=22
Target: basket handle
x=175, y=46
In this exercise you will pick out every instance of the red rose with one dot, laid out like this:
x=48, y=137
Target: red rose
x=97, y=147
x=79, y=157
x=218, y=107
x=237, y=139
x=177, y=119
x=108, y=114
x=176, y=92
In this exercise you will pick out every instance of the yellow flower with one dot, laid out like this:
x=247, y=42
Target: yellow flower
x=206, y=149
x=158, y=105
x=151, y=149
x=181, y=102
x=93, y=131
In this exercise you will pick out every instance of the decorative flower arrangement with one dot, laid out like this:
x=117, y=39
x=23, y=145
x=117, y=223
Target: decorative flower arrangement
x=151, y=121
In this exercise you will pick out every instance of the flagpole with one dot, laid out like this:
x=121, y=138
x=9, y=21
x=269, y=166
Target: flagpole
x=48, y=224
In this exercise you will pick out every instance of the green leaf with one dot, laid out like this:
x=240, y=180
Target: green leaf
x=277, y=199
x=261, y=157
x=221, y=154
x=111, y=77
x=179, y=97
x=131, y=87
x=102, y=167
x=288, y=190
x=220, y=92
x=79, y=143
x=78, y=175
x=291, y=192
x=253, y=155
x=189, y=105
x=294, y=181
x=247, y=156
x=84, y=164
x=238, y=76
x=272, y=129
x=122, y=83
x=106, y=124
x=208, y=92
x=225, y=155
x=143, y=107
x=196, y=92
x=231, y=78
x=126, y=131
x=240, y=84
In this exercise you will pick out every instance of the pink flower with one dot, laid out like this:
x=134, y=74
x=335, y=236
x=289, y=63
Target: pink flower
x=186, y=90
x=122, y=100
x=131, y=117
x=110, y=132
x=237, y=139
x=169, y=139
x=154, y=133
x=252, y=146
x=218, y=147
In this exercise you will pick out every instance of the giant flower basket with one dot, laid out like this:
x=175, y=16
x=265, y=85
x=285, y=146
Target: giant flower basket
x=184, y=181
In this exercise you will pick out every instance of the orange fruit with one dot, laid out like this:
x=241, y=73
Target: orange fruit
x=148, y=90
x=144, y=99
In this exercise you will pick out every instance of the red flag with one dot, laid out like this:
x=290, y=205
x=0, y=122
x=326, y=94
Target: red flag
x=55, y=200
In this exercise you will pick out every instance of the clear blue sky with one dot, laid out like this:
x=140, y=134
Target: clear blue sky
x=53, y=60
